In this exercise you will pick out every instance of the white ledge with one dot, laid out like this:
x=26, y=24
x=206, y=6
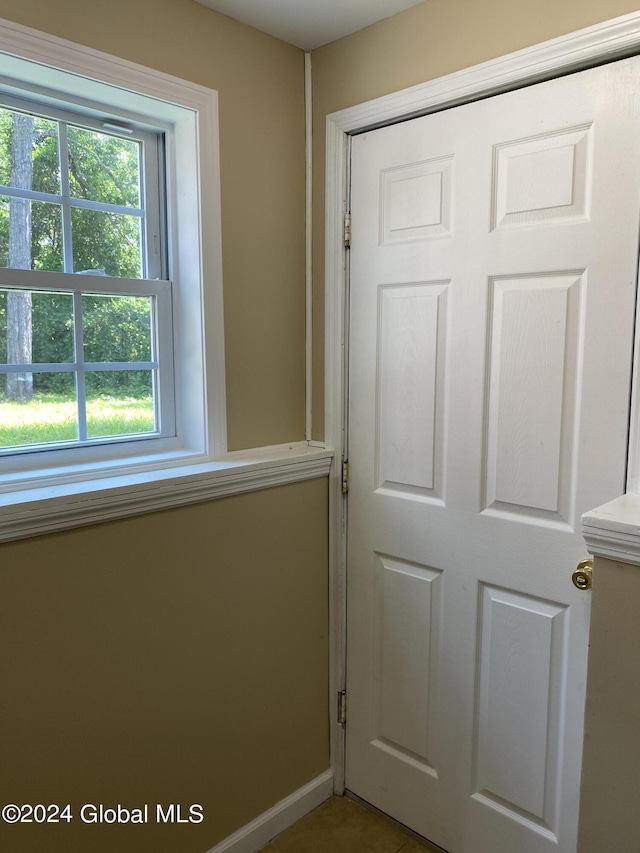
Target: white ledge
x=613, y=529
x=48, y=510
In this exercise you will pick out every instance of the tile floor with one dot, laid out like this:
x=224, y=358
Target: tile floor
x=343, y=826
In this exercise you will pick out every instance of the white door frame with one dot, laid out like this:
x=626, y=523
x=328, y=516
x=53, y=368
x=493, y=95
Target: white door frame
x=595, y=45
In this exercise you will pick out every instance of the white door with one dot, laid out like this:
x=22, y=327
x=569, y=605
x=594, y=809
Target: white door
x=493, y=269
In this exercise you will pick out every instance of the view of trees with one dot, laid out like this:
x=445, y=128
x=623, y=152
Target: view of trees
x=37, y=326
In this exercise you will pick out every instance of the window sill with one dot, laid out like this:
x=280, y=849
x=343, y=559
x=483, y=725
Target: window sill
x=51, y=509
x=613, y=529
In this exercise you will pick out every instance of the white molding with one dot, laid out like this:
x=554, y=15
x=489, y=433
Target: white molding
x=633, y=458
x=271, y=823
x=51, y=509
x=613, y=529
x=592, y=46
x=308, y=261
x=71, y=57
x=337, y=145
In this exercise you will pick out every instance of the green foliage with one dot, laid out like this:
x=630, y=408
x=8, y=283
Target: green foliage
x=102, y=168
x=115, y=328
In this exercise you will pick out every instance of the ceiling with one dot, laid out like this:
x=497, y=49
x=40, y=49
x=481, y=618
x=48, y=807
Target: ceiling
x=309, y=23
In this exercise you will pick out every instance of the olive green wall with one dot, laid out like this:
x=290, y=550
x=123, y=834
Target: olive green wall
x=182, y=656
x=435, y=38
x=610, y=795
x=178, y=657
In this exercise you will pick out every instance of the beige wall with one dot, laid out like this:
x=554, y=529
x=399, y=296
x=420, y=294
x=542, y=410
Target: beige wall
x=182, y=656
x=430, y=40
x=610, y=796
x=260, y=82
x=176, y=657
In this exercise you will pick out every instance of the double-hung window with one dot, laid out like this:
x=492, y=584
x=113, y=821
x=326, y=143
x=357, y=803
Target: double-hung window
x=86, y=352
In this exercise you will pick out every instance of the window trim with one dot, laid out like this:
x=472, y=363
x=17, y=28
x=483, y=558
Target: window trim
x=188, y=112
x=80, y=504
x=200, y=468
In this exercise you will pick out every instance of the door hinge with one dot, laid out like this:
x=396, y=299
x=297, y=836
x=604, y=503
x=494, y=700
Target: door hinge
x=347, y=230
x=345, y=477
x=342, y=707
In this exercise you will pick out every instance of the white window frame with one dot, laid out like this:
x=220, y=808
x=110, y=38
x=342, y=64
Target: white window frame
x=16, y=461
x=151, y=175
x=75, y=491
x=151, y=283
x=125, y=92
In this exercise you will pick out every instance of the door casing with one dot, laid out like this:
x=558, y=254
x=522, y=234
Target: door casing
x=610, y=40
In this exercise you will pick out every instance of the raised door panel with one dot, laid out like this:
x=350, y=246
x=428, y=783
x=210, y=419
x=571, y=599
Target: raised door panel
x=535, y=333
x=416, y=201
x=521, y=665
x=543, y=179
x=410, y=387
x=406, y=644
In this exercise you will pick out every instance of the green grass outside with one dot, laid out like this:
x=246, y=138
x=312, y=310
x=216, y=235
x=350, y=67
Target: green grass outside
x=51, y=417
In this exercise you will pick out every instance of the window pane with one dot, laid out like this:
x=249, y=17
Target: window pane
x=119, y=402
x=29, y=152
x=30, y=234
x=116, y=328
x=49, y=415
x=103, y=167
x=106, y=243
x=52, y=327
x=35, y=326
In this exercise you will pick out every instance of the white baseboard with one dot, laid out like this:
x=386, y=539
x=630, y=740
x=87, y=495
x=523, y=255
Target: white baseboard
x=264, y=828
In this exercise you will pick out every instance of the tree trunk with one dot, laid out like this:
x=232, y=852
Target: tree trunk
x=19, y=330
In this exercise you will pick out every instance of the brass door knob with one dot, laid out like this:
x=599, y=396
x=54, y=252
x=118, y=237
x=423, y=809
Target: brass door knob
x=581, y=576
